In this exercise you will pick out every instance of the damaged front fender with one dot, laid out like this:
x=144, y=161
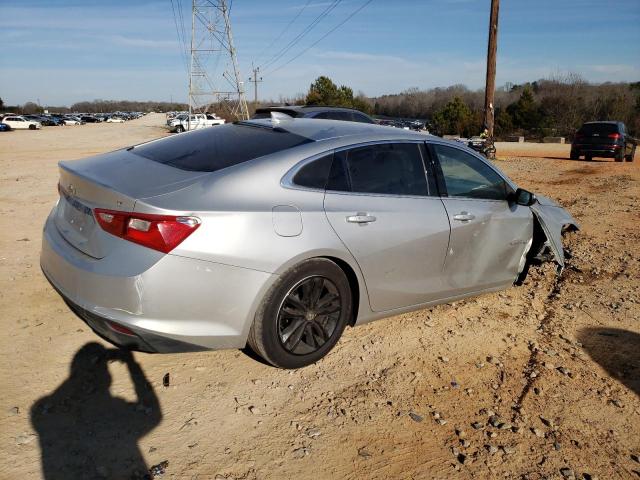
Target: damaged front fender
x=553, y=219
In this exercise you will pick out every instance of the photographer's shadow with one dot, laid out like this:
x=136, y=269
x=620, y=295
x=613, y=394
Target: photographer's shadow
x=617, y=351
x=85, y=432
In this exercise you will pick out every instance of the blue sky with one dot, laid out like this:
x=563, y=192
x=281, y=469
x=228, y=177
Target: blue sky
x=62, y=51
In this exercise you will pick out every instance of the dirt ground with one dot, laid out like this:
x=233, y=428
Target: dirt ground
x=539, y=381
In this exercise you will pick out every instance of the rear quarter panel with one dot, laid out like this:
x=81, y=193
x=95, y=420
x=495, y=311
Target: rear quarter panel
x=240, y=228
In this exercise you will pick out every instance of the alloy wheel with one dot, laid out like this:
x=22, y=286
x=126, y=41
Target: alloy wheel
x=308, y=315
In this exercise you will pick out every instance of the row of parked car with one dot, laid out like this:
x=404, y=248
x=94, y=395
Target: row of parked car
x=9, y=121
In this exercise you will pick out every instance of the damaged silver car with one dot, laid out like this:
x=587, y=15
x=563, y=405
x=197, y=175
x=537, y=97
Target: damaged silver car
x=280, y=233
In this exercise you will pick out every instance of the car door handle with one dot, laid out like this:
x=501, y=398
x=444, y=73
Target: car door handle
x=464, y=216
x=361, y=218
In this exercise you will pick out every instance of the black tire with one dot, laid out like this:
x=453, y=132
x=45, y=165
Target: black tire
x=324, y=281
x=620, y=155
x=32, y=127
x=574, y=155
x=588, y=158
x=179, y=129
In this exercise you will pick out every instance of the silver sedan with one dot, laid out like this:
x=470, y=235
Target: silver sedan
x=280, y=233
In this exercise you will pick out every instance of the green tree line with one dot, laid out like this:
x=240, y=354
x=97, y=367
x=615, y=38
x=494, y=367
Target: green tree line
x=97, y=106
x=556, y=106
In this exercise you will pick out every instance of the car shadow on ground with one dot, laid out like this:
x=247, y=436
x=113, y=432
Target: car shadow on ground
x=582, y=160
x=615, y=350
x=84, y=431
x=254, y=356
x=551, y=157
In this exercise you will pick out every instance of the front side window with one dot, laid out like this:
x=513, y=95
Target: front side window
x=390, y=168
x=468, y=176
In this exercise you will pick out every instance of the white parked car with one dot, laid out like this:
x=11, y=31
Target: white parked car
x=18, y=122
x=115, y=120
x=181, y=123
x=71, y=121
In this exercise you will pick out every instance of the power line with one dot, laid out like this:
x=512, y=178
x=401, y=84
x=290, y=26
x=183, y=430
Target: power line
x=181, y=39
x=321, y=38
x=284, y=30
x=184, y=34
x=301, y=35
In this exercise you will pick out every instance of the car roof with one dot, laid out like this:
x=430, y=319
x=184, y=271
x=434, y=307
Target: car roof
x=307, y=108
x=319, y=130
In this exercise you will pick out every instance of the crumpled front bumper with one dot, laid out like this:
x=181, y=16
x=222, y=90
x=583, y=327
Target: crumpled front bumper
x=554, y=220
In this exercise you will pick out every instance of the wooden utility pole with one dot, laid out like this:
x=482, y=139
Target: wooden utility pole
x=490, y=85
x=255, y=80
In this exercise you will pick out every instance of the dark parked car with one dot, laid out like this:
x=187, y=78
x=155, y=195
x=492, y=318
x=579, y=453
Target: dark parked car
x=603, y=139
x=37, y=118
x=313, y=111
x=45, y=120
x=89, y=119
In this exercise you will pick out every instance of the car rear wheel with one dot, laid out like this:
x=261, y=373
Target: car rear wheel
x=620, y=155
x=588, y=158
x=574, y=155
x=303, y=315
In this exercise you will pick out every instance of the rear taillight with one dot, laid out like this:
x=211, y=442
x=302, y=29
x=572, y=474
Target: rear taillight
x=159, y=232
x=615, y=136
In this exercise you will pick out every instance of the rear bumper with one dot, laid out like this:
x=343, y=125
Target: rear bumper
x=174, y=304
x=597, y=150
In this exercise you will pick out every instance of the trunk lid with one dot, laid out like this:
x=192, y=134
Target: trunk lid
x=112, y=181
x=597, y=134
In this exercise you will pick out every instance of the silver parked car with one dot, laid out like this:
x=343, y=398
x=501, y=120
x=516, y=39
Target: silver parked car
x=280, y=233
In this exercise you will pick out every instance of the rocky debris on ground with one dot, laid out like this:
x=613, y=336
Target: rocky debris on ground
x=158, y=470
x=25, y=438
x=415, y=417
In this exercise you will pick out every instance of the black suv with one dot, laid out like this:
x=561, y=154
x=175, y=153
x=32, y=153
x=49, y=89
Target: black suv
x=313, y=111
x=603, y=139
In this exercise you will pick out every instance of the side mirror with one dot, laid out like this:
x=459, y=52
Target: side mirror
x=524, y=197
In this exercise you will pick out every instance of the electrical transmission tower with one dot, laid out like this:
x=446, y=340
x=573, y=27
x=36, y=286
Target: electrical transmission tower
x=210, y=84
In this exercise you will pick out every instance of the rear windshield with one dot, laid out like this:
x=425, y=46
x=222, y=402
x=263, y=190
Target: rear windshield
x=600, y=128
x=215, y=148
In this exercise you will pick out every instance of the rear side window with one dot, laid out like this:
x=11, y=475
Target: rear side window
x=315, y=173
x=467, y=176
x=598, y=128
x=338, y=179
x=211, y=149
x=395, y=169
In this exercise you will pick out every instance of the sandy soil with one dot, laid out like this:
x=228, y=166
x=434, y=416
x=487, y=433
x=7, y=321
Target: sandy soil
x=539, y=381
